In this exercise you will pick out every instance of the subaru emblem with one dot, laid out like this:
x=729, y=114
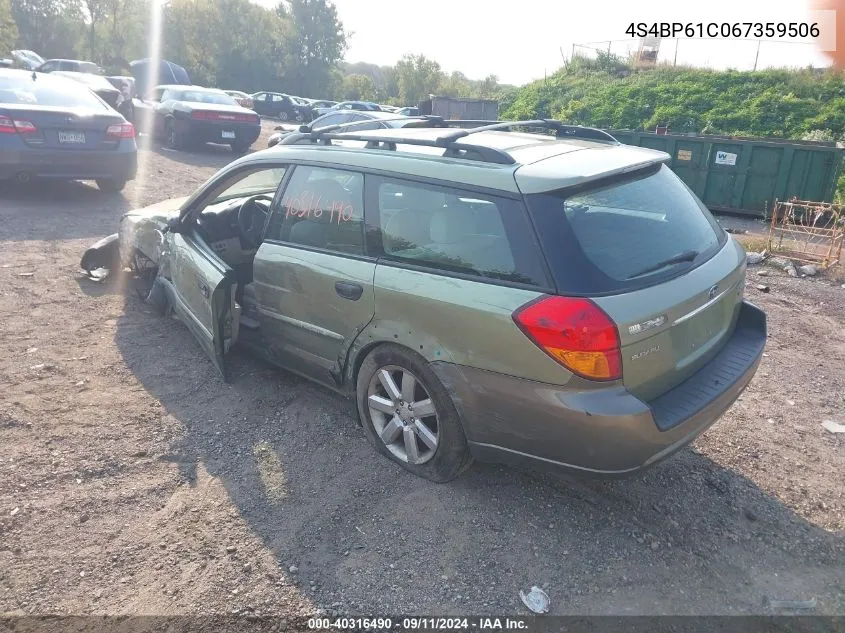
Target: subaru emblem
x=713, y=291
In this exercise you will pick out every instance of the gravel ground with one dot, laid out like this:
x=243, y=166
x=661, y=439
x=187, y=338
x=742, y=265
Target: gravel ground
x=134, y=481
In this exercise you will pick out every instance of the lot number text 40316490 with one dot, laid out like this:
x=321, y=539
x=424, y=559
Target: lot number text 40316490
x=724, y=29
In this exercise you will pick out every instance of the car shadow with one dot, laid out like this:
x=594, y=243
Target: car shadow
x=686, y=537
x=29, y=211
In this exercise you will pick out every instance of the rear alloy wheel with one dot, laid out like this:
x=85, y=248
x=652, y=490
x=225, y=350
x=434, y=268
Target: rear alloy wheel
x=175, y=139
x=409, y=416
x=111, y=185
x=283, y=116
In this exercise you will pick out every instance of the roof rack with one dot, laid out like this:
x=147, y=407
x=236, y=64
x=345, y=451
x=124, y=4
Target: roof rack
x=561, y=129
x=424, y=121
x=453, y=149
x=449, y=140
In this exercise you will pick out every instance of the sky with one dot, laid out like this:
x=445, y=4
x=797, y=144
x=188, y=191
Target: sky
x=522, y=40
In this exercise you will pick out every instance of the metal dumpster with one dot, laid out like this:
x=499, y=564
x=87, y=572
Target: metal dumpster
x=744, y=175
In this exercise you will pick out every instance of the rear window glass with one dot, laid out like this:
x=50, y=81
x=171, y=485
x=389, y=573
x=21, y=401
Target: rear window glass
x=625, y=235
x=47, y=91
x=468, y=233
x=197, y=96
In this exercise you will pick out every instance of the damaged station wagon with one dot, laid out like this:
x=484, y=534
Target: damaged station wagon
x=510, y=296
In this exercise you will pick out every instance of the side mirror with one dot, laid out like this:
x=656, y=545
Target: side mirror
x=174, y=225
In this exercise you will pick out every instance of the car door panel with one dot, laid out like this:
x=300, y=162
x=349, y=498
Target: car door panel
x=308, y=307
x=202, y=294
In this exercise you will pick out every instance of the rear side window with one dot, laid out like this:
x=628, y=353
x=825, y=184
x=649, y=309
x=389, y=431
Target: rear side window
x=47, y=91
x=624, y=235
x=322, y=208
x=468, y=233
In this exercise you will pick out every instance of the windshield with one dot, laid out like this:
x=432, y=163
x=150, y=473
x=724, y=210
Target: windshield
x=202, y=96
x=624, y=234
x=88, y=67
x=21, y=89
x=262, y=181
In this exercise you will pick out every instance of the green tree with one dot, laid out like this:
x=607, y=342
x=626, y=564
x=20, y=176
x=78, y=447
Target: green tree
x=358, y=88
x=94, y=10
x=455, y=85
x=123, y=33
x=191, y=30
x=52, y=28
x=8, y=28
x=417, y=77
x=317, y=45
x=254, y=51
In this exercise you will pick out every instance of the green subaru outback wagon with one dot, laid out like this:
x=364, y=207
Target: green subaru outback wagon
x=510, y=296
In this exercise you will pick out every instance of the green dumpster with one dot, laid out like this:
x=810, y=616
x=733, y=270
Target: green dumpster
x=744, y=175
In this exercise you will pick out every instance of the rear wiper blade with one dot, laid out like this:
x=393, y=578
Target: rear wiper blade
x=683, y=256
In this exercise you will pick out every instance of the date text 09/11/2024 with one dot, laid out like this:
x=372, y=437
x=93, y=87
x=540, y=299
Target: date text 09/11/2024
x=418, y=623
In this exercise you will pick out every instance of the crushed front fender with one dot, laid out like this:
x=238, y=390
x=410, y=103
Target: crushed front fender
x=103, y=254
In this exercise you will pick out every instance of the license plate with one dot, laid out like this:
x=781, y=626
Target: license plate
x=72, y=137
x=227, y=134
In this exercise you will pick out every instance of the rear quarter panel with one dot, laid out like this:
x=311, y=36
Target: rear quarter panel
x=454, y=320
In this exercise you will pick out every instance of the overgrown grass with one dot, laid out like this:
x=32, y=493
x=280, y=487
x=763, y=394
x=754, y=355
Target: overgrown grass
x=753, y=243
x=609, y=93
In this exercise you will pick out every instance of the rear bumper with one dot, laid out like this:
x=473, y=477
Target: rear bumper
x=117, y=164
x=206, y=132
x=607, y=430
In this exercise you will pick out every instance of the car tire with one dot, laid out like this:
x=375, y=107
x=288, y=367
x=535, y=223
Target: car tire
x=283, y=116
x=111, y=185
x=449, y=456
x=173, y=137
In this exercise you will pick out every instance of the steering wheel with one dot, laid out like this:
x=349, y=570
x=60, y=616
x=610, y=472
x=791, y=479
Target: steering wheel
x=251, y=218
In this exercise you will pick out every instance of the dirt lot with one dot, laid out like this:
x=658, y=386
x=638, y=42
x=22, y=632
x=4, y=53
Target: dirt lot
x=133, y=480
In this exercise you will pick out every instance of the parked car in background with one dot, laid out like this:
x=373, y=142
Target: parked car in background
x=189, y=116
x=555, y=299
x=321, y=103
x=30, y=60
x=72, y=65
x=366, y=106
x=242, y=98
x=377, y=121
x=408, y=111
x=6, y=63
x=101, y=86
x=52, y=127
x=280, y=106
x=388, y=108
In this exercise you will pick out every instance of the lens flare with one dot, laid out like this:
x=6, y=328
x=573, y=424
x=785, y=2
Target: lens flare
x=145, y=149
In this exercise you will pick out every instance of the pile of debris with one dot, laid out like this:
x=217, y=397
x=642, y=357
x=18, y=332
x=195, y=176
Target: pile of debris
x=783, y=263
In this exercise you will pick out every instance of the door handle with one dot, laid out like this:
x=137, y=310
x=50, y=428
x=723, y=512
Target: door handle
x=349, y=290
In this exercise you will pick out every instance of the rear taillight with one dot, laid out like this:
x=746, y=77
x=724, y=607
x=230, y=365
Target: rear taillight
x=576, y=333
x=120, y=130
x=6, y=125
x=19, y=126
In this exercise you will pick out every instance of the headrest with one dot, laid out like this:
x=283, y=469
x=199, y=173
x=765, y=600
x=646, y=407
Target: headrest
x=450, y=226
